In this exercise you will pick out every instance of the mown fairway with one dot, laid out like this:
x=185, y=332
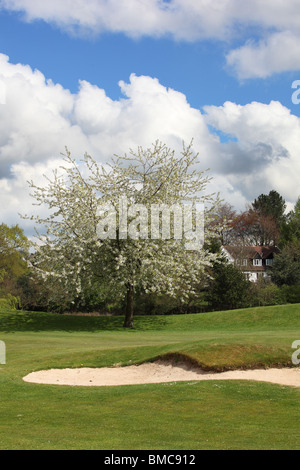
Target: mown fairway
x=182, y=415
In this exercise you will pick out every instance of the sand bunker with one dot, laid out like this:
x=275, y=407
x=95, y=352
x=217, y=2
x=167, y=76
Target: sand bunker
x=157, y=372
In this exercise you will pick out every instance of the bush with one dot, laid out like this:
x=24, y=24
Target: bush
x=286, y=267
x=291, y=293
x=264, y=292
x=229, y=289
x=9, y=303
x=271, y=295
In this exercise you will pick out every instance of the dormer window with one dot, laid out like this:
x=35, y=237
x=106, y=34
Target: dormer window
x=269, y=262
x=241, y=262
x=257, y=262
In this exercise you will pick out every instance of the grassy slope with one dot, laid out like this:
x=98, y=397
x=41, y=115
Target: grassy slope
x=187, y=415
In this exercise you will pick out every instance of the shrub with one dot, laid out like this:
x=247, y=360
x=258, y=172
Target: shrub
x=271, y=295
x=9, y=303
x=291, y=293
x=229, y=288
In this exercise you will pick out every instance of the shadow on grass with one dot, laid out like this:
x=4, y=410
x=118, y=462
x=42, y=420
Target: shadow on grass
x=40, y=321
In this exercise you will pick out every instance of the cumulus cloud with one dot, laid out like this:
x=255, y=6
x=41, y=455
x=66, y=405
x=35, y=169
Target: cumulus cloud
x=16, y=201
x=147, y=111
x=35, y=117
x=277, y=53
x=274, y=23
x=184, y=19
x=265, y=155
x=39, y=118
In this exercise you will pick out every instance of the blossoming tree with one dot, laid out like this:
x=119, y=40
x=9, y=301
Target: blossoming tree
x=128, y=257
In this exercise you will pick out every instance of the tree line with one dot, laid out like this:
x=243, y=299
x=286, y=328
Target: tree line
x=70, y=269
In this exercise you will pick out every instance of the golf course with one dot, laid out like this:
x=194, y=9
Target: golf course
x=181, y=415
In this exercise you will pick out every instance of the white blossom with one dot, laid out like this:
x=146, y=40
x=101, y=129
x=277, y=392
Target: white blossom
x=70, y=252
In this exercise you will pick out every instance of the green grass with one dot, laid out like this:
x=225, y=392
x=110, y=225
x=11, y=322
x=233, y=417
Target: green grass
x=181, y=416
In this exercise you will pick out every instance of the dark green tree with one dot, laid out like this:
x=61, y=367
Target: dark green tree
x=229, y=289
x=14, y=248
x=268, y=211
x=286, y=267
x=291, y=227
x=271, y=205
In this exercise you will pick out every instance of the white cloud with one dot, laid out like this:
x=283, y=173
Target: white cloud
x=274, y=23
x=39, y=118
x=265, y=155
x=277, y=53
x=184, y=19
x=35, y=118
x=15, y=192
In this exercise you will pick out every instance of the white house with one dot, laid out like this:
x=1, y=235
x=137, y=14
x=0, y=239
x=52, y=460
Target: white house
x=254, y=261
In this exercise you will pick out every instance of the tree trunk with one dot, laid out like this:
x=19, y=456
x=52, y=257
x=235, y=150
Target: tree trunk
x=128, y=323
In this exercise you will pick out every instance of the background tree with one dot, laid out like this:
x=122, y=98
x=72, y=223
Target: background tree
x=261, y=223
x=286, y=266
x=272, y=205
x=222, y=223
x=71, y=254
x=14, y=250
x=270, y=216
x=242, y=232
x=291, y=226
x=229, y=288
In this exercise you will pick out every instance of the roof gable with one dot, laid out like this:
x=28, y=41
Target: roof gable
x=250, y=252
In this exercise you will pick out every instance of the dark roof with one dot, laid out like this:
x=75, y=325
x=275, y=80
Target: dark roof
x=251, y=252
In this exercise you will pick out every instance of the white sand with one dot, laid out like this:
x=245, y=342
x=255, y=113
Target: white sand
x=157, y=372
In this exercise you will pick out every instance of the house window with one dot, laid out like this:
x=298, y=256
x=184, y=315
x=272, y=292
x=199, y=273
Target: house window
x=269, y=262
x=241, y=262
x=257, y=262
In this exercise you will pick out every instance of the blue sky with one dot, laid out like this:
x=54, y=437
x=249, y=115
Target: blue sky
x=197, y=69
x=105, y=76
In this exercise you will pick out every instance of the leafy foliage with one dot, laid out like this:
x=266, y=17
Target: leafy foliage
x=229, y=287
x=71, y=255
x=14, y=251
x=286, y=267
